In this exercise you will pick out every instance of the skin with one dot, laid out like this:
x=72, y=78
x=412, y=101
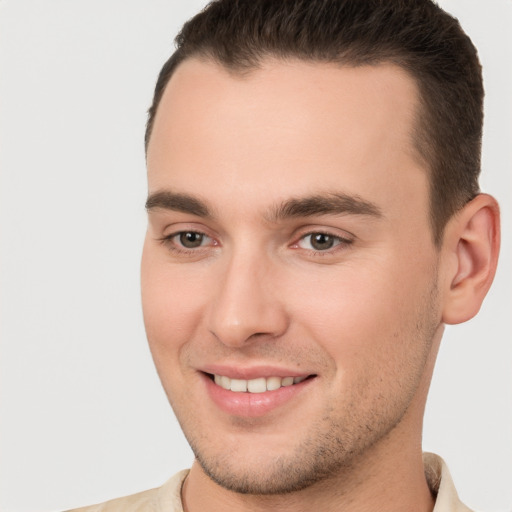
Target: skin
x=364, y=317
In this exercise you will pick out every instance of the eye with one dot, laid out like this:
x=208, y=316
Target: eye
x=186, y=240
x=320, y=241
x=190, y=239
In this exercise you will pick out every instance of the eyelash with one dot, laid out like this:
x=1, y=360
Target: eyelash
x=169, y=242
x=340, y=243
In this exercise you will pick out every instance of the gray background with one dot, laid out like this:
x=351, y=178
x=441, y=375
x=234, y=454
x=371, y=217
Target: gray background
x=83, y=417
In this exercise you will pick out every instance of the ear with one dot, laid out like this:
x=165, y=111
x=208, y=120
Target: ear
x=470, y=250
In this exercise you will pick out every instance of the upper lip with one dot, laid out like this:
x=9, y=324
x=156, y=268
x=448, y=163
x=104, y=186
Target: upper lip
x=252, y=372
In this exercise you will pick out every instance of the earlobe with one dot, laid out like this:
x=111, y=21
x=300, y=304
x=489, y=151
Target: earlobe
x=471, y=244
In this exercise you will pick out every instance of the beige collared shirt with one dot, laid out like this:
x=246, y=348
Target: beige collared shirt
x=168, y=497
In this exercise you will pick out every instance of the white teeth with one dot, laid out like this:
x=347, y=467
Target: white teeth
x=239, y=385
x=273, y=383
x=225, y=382
x=259, y=385
x=287, y=381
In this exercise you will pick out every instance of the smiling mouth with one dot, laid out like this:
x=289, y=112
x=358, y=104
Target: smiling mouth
x=258, y=385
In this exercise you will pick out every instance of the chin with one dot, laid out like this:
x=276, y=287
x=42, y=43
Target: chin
x=275, y=470
x=278, y=477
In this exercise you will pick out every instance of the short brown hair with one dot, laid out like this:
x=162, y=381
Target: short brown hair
x=417, y=35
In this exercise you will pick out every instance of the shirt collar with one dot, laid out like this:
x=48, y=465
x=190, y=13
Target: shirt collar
x=441, y=485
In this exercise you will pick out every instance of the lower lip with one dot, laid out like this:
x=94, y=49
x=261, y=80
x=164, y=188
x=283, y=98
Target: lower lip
x=253, y=404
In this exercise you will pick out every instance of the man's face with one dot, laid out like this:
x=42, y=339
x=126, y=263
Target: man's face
x=289, y=238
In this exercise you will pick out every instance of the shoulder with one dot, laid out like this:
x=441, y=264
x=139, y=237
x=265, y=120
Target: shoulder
x=145, y=500
x=165, y=498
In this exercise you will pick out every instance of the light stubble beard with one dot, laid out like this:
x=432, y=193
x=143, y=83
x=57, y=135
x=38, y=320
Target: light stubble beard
x=336, y=445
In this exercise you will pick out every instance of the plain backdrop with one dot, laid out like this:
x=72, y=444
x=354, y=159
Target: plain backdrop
x=83, y=417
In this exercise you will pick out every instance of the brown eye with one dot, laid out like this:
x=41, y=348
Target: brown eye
x=321, y=241
x=191, y=239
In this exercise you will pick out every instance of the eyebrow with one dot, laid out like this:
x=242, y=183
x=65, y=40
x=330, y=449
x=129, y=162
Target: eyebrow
x=184, y=203
x=329, y=204
x=308, y=206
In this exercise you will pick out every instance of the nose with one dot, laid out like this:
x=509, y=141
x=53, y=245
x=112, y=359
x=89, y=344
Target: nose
x=246, y=306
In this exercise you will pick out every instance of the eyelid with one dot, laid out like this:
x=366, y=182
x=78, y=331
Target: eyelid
x=175, y=228
x=179, y=233
x=342, y=234
x=343, y=240
x=174, y=234
x=169, y=240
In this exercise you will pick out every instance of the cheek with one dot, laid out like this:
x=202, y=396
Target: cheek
x=171, y=303
x=367, y=316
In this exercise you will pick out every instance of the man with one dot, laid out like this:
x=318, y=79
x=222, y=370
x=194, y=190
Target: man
x=314, y=222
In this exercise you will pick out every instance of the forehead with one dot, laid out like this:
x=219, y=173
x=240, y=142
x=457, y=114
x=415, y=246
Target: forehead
x=286, y=126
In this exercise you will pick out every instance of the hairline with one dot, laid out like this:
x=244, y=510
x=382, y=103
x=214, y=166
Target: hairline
x=419, y=136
